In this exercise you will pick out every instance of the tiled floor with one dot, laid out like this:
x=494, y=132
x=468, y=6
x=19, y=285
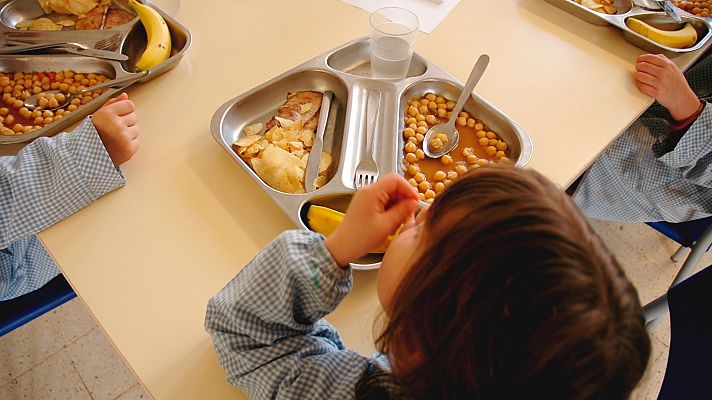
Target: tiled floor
x=65, y=355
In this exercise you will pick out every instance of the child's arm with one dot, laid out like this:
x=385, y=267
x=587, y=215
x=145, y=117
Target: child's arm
x=661, y=79
x=52, y=178
x=266, y=323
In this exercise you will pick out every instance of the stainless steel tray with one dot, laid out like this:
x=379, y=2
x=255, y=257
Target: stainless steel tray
x=132, y=42
x=345, y=71
x=658, y=18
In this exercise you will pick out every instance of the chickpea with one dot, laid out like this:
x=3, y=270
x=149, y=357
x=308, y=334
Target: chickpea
x=450, y=105
x=473, y=166
x=413, y=126
x=56, y=118
x=419, y=137
x=7, y=89
x=442, y=137
x=53, y=103
x=10, y=100
x=47, y=114
x=47, y=121
x=481, y=134
x=45, y=86
x=493, y=142
x=491, y=135
x=439, y=176
x=78, y=77
x=420, y=117
x=75, y=101
x=461, y=121
x=410, y=147
x=91, y=75
x=421, y=196
x=26, y=129
x=424, y=185
x=447, y=182
x=439, y=187
x=64, y=87
x=10, y=119
x=17, y=128
x=92, y=82
x=441, y=113
x=38, y=121
x=18, y=104
x=479, y=126
x=501, y=145
x=431, y=119
x=446, y=159
x=423, y=109
x=460, y=169
x=28, y=84
x=470, y=123
x=6, y=96
x=499, y=154
x=412, y=139
x=430, y=201
x=8, y=132
x=483, y=141
x=69, y=74
x=482, y=162
x=419, y=177
x=430, y=97
x=424, y=123
x=466, y=152
x=413, y=182
x=36, y=113
x=411, y=120
x=4, y=111
x=472, y=159
x=504, y=159
x=491, y=150
x=452, y=175
x=408, y=133
x=432, y=106
x=423, y=102
x=463, y=114
x=25, y=95
x=435, y=144
x=73, y=90
x=412, y=111
x=420, y=154
x=411, y=157
x=429, y=194
x=415, y=103
x=422, y=130
x=54, y=85
x=86, y=99
x=442, y=106
x=59, y=112
x=413, y=169
x=440, y=100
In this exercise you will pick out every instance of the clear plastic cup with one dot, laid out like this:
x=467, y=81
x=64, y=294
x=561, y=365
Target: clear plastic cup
x=393, y=32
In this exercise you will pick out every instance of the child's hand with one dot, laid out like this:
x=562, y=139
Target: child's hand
x=375, y=212
x=661, y=79
x=116, y=124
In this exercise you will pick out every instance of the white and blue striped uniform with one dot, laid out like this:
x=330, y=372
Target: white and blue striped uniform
x=49, y=179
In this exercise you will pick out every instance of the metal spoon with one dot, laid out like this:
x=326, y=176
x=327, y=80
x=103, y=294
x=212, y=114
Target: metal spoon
x=32, y=102
x=448, y=128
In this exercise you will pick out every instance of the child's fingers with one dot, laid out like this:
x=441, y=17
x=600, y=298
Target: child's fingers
x=648, y=68
x=655, y=59
x=400, y=212
x=130, y=119
x=122, y=96
x=122, y=107
x=397, y=187
x=132, y=132
x=646, y=89
x=646, y=78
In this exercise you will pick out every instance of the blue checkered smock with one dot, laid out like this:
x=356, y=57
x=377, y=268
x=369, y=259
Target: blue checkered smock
x=50, y=179
x=268, y=330
x=643, y=177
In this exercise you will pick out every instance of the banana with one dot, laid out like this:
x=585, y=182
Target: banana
x=324, y=220
x=680, y=39
x=158, y=46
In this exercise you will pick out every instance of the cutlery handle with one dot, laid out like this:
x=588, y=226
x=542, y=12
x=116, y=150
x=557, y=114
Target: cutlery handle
x=472, y=80
x=372, y=108
x=30, y=47
x=115, y=82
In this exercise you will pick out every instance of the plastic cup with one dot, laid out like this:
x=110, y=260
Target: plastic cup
x=393, y=32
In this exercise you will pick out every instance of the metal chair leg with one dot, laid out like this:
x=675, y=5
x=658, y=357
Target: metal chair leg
x=679, y=253
x=698, y=251
x=654, y=310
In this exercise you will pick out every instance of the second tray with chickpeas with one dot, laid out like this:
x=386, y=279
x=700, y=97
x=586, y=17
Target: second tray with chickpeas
x=272, y=130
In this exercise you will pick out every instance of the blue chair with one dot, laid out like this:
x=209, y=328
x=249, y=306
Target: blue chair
x=689, y=365
x=695, y=236
x=21, y=310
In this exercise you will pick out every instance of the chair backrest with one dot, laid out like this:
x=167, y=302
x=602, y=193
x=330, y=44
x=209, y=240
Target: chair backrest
x=21, y=310
x=689, y=369
x=684, y=233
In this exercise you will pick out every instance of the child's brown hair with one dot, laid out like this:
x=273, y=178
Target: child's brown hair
x=514, y=296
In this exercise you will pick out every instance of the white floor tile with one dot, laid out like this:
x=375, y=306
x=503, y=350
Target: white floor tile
x=101, y=368
x=54, y=379
x=135, y=393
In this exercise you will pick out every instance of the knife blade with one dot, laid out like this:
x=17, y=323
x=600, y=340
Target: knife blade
x=108, y=55
x=328, y=105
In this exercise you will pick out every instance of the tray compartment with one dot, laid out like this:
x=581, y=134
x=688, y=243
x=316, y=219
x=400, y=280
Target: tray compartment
x=58, y=62
x=261, y=104
x=355, y=59
x=591, y=16
x=16, y=11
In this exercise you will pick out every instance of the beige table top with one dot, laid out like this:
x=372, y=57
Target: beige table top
x=146, y=258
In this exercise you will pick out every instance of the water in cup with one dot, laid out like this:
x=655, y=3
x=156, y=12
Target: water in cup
x=390, y=55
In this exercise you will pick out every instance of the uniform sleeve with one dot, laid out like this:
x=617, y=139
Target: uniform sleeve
x=52, y=178
x=692, y=155
x=267, y=323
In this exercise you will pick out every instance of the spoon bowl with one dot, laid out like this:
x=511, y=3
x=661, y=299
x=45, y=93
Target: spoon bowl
x=63, y=98
x=443, y=138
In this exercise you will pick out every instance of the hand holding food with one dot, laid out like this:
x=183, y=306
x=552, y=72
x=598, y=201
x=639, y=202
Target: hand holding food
x=375, y=212
x=661, y=79
x=116, y=123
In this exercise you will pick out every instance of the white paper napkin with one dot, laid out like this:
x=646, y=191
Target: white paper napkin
x=430, y=12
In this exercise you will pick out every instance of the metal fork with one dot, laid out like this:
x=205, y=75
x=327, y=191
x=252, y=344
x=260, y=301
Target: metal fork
x=108, y=43
x=367, y=169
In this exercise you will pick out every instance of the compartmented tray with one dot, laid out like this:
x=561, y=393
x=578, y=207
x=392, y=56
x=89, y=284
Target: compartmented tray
x=640, y=9
x=128, y=39
x=345, y=71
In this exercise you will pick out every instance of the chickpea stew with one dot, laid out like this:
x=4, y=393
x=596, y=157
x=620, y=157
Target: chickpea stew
x=478, y=145
x=701, y=8
x=16, y=87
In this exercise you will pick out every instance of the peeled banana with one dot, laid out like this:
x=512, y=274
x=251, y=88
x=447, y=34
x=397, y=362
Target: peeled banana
x=324, y=220
x=680, y=39
x=158, y=46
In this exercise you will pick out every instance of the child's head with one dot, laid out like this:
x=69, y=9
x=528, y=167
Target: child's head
x=504, y=291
